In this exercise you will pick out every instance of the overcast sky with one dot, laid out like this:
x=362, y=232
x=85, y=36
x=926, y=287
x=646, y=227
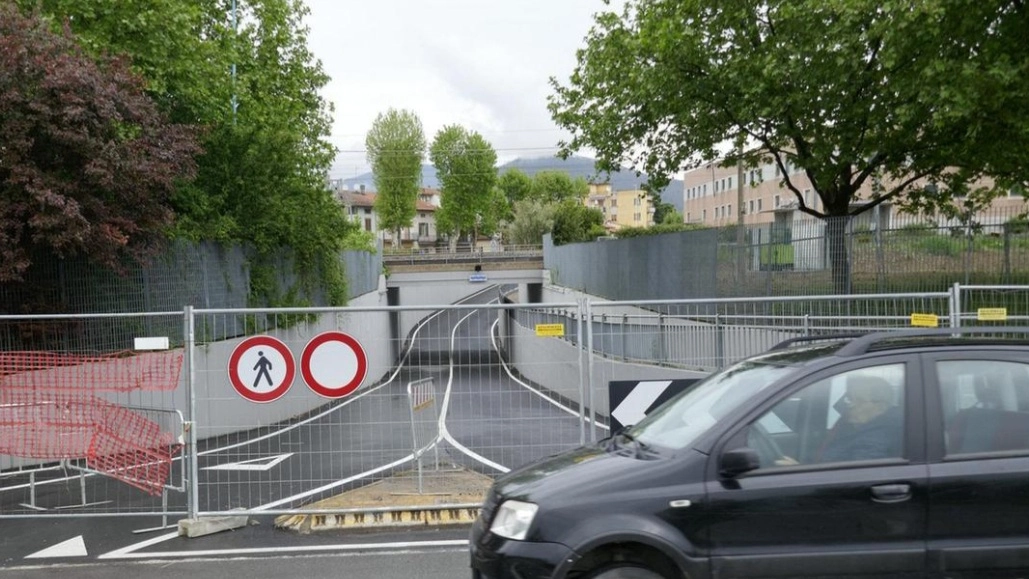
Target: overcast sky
x=482, y=64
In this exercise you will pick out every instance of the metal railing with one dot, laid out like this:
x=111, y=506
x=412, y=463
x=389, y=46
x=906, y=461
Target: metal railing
x=510, y=383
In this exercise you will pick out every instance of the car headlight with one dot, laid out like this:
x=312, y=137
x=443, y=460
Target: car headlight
x=513, y=519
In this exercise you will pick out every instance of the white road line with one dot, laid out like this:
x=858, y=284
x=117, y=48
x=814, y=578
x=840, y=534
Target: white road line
x=75, y=547
x=446, y=407
x=507, y=369
x=262, y=464
x=401, y=545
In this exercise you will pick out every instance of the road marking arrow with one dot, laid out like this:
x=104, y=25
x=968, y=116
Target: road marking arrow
x=634, y=407
x=261, y=464
x=71, y=548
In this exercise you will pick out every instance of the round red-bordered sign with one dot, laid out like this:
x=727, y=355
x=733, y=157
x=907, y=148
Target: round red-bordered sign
x=333, y=364
x=261, y=368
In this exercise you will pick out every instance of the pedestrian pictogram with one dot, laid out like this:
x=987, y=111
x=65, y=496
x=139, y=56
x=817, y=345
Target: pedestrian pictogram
x=333, y=364
x=261, y=368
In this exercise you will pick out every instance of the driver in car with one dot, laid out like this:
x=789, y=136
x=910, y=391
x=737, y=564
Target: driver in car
x=870, y=426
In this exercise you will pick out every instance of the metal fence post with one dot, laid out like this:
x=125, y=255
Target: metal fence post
x=955, y=305
x=625, y=336
x=193, y=491
x=719, y=342
x=662, y=354
x=587, y=313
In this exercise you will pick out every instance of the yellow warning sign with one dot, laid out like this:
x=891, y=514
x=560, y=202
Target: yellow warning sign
x=548, y=330
x=993, y=314
x=925, y=320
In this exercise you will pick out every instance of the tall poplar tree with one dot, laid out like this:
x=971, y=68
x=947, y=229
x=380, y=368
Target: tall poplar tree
x=466, y=165
x=395, y=148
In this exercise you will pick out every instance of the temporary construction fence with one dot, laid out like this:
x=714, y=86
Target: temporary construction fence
x=306, y=404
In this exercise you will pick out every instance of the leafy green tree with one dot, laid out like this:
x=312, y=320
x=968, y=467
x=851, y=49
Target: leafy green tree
x=515, y=185
x=557, y=186
x=574, y=222
x=466, y=165
x=252, y=88
x=184, y=49
x=666, y=212
x=848, y=91
x=87, y=162
x=396, y=147
x=498, y=212
x=532, y=220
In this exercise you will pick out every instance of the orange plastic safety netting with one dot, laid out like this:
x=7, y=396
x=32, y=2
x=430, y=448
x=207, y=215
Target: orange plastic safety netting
x=49, y=409
x=116, y=372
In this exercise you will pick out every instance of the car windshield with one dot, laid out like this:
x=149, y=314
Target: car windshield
x=681, y=421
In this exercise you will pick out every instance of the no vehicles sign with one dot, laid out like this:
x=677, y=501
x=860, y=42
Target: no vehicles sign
x=261, y=369
x=333, y=364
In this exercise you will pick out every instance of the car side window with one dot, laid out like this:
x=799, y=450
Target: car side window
x=852, y=416
x=985, y=405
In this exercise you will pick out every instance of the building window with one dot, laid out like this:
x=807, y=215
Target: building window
x=759, y=204
x=367, y=224
x=776, y=200
x=728, y=210
x=703, y=215
x=423, y=230
x=750, y=206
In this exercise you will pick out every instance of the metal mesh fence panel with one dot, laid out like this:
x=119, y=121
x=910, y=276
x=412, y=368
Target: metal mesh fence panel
x=93, y=424
x=884, y=252
x=1000, y=305
x=315, y=446
x=706, y=335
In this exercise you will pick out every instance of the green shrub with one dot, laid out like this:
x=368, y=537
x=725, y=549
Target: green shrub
x=940, y=245
x=916, y=230
x=777, y=255
x=1017, y=225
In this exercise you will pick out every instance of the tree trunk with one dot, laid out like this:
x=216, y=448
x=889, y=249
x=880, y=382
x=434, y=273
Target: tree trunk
x=839, y=258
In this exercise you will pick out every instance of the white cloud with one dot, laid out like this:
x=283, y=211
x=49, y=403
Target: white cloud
x=483, y=64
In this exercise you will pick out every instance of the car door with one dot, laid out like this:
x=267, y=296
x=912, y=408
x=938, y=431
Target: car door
x=979, y=464
x=821, y=514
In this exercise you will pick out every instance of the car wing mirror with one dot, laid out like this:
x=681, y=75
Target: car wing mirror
x=738, y=461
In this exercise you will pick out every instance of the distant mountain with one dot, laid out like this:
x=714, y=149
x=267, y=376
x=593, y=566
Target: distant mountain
x=575, y=166
x=368, y=180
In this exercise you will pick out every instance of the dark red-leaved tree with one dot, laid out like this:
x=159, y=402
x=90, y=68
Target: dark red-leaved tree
x=87, y=163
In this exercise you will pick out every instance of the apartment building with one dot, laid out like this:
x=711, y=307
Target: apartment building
x=713, y=196
x=359, y=206
x=629, y=208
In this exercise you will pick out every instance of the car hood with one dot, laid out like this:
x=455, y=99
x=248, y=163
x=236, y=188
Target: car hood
x=576, y=473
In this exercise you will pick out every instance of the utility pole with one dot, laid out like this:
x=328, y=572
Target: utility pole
x=234, y=31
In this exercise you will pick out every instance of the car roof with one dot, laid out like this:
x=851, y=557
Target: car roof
x=808, y=349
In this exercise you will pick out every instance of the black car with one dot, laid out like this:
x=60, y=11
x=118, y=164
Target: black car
x=899, y=454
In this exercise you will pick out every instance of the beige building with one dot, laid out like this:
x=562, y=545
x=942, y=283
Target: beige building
x=630, y=208
x=712, y=196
